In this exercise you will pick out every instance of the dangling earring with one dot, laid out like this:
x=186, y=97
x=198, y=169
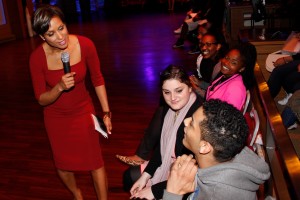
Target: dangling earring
x=42, y=37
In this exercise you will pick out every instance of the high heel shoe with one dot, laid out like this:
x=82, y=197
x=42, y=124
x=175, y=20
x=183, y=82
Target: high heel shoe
x=129, y=161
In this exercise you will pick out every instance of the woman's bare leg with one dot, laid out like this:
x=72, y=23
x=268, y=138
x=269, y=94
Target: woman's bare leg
x=100, y=183
x=68, y=178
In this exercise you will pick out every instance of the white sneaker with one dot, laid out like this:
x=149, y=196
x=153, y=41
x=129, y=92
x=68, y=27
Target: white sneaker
x=178, y=31
x=285, y=99
x=294, y=126
x=262, y=37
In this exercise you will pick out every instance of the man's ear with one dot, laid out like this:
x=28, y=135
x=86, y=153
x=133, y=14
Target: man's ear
x=205, y=147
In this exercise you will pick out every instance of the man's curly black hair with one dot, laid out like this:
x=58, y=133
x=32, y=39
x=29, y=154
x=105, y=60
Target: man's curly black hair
x=225, y=128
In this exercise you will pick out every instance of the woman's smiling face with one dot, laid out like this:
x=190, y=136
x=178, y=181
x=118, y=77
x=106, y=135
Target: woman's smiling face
x=232, y=64
x=176, y=93
x=208, y=46
x=57, y=34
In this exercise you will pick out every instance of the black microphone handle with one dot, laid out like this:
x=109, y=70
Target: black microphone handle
x=67, y=68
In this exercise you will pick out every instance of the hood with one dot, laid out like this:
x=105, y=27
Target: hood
x=246, y=171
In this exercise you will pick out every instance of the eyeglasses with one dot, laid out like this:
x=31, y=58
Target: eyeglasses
x=208, y=44
x=231, y=60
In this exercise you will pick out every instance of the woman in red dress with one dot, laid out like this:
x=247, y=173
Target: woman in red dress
x=68, y=107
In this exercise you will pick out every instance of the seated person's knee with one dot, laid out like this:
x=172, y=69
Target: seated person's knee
x=130, y=176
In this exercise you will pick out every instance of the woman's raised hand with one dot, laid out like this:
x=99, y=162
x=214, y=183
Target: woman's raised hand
x=67, y=81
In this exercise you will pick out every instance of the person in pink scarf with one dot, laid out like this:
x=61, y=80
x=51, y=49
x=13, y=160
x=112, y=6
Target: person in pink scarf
x=180, y=102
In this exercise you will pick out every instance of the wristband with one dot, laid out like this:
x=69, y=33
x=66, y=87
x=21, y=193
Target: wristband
x=107, y=114
x=284, y=60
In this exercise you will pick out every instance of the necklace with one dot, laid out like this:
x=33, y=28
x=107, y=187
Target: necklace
x=176, y=115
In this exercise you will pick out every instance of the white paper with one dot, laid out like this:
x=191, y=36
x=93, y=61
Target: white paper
x=272, y=58
x=98, y=127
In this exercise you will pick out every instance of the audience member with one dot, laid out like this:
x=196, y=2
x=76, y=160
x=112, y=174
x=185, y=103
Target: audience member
x=286, y=75
x=150, y=139
x=181, y=102
x=207, y=65
x=237, y=69
x=210, y=16
x=195, y=38
x=216, y=134
x=196, y=6
x=291, y=113
x=65, y=99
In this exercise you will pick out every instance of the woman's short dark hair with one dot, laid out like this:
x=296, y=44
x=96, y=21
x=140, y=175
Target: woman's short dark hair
x=175, y=72
x=42, y=17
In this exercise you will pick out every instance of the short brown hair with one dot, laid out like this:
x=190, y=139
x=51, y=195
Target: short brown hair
x=42, y=17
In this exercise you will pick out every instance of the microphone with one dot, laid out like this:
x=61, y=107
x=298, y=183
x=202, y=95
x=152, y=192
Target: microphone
x=65, y=58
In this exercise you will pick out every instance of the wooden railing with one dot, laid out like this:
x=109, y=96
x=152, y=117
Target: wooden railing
x=284, y=183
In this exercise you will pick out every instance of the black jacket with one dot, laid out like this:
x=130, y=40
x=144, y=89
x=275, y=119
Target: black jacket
x=156, y=161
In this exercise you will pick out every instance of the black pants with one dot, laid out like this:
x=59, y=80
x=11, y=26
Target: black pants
x=286, y=76
x=130, y=176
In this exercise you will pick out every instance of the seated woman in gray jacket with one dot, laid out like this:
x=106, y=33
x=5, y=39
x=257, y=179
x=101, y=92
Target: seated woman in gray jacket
x=216, y=134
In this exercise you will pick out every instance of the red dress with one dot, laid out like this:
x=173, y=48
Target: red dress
x=74, y=141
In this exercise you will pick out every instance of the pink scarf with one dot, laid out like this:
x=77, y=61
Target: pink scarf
x=170, y=127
